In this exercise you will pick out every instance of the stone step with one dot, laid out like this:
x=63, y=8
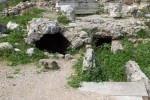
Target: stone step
x=116, y=88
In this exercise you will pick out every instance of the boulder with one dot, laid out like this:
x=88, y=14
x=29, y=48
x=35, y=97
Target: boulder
x=133, y=10
x=115, y=10
x=89, y=59
x=30, y=51
x=88, y=40
x=6, y=45
x=69, y=11
x=83, y=34
x=134, y=74
x=116, y=46
x=38, y=27
x=77, y=42
x=12, y=25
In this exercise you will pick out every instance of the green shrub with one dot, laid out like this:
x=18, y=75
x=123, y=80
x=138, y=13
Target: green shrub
x=109, y=66
x=143, y=34
x=63, y=19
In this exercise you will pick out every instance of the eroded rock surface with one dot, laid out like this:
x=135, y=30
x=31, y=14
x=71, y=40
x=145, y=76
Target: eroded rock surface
x=39, y=27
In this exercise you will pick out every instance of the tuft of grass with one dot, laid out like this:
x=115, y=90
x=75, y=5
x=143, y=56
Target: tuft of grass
x=89, y=31
x=63, y=19
x=77, y=77
x=143, y=34
x=72, y=51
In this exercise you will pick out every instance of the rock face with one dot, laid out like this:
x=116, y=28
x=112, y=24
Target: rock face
x=116, y=46
x=39, y=27
x=134, y=74
x=3, y=29
x=109, y=27
x=89, y=59
x=6, y=45
x=12, y=25
x=115, y=9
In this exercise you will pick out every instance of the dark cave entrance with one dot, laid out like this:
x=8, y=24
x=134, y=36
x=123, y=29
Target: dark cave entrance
x=55, y=43
x=99, y=41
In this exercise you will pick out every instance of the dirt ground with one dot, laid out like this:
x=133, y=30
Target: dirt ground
x=27, y=84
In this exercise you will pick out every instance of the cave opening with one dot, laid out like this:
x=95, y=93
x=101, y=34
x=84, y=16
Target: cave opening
x=99, y=41
x=55, y=43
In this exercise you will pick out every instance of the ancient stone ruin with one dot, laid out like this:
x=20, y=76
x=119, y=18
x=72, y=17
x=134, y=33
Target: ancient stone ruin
x=123, y=18
x=80, y=6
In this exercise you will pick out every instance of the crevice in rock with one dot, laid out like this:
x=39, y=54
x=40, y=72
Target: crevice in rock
x=55, y=43
x=101, y=40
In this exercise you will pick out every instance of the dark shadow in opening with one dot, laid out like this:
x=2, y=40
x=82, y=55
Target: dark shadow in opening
x=101, y=40
x=55, y=43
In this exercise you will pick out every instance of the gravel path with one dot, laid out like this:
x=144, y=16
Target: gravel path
x=29, y=85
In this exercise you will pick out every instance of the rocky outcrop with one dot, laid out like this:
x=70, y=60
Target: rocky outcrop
x=38, y=27
x=108, y=27
x=77, y=42
x=12, y=25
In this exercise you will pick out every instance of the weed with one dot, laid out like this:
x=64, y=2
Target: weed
x=143, y=34
x=63, y=19
x=72, y=51
x=109, y=66
x=77, y=77
x=89, y=31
